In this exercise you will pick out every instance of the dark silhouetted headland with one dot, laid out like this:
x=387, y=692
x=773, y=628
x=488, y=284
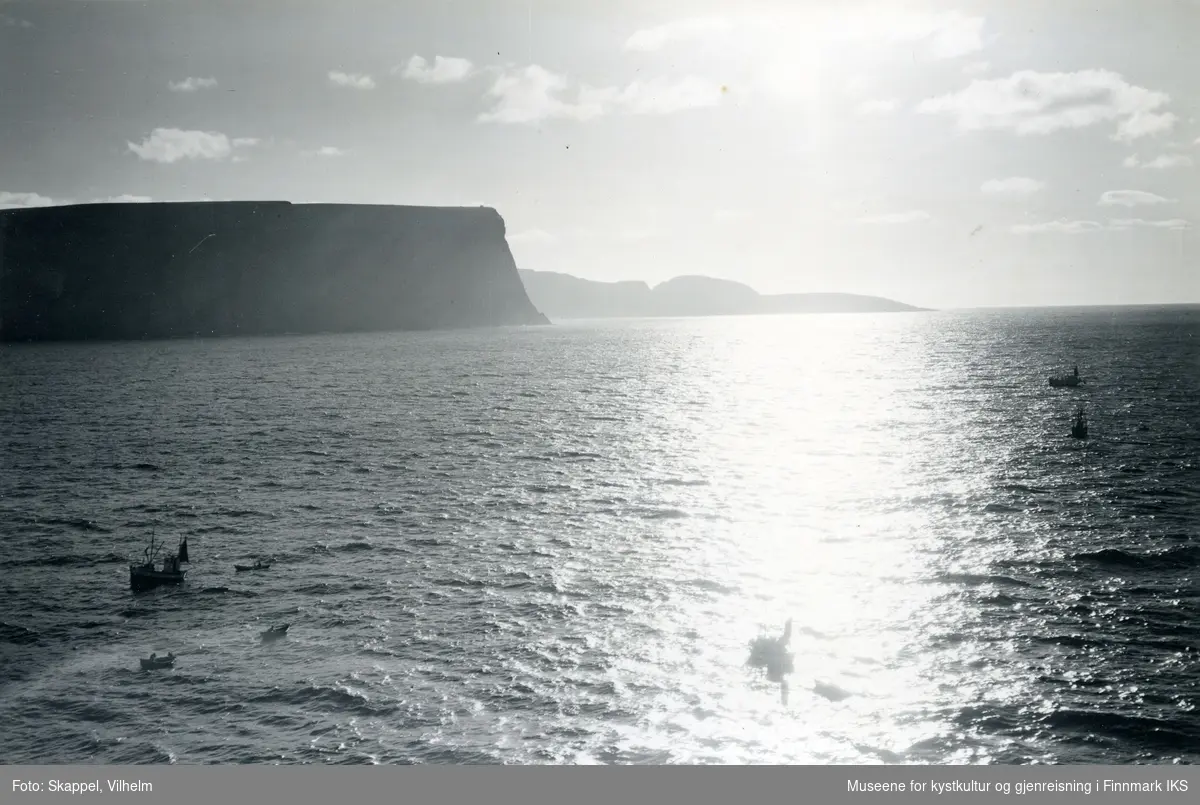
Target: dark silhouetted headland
x=565, y=296
x=163, y=270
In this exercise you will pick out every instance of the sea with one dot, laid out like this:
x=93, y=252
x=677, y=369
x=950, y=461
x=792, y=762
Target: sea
x=554, y=545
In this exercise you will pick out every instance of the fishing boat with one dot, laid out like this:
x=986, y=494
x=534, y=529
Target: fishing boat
x=145, y=577
x=1079, y=430
x=1067, y=381
x=260, y=565
x=275, y=632
x=155, y=662
x=772, y=655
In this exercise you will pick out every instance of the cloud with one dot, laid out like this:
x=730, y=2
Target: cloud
x=649, y=39
x=941, y=35
x=1014, y=186
x=878, y=107
x=732, y=216
x=976, y=68
x=1171, y=223
x=1142, y=124
x=655, y=96
x=1131, y=198
x=328, y=151
x=124, y=198
x=244, y=142
x=10, y=201
x=192, y=84
x=531, y=236
x=532, y=94
x=910, y=217
x=351, y=80
x=9, y=21
x=1062, y=227
x=1162, y=162
x=1029, y=102
x=173, y=145
x=944, y=35
x=527, y=95
x=445, y=70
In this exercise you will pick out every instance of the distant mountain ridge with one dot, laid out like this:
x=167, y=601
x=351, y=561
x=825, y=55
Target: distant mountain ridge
x=566, y=296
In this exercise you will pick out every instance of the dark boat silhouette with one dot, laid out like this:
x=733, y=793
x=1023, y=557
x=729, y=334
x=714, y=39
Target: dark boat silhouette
x=145, y=577
x=1079, y=429
x=155, y=662
x=772, y=655
x=255, y=566
x=1067, y=381
x=275, y=632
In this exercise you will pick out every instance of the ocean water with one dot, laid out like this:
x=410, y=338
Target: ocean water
x=553, y=545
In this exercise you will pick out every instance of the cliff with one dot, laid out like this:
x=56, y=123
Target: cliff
x=162, y=270
x=565, y=296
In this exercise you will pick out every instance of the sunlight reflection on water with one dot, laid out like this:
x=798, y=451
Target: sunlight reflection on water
x=555, y=545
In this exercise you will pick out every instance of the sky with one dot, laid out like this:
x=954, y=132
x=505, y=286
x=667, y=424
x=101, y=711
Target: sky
x=944, y=154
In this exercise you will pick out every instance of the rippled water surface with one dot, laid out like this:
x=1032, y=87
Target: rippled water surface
x=552, y=545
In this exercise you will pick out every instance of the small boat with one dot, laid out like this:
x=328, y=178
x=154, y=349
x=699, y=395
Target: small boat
x=256, y=566
x=155, y=662
x=275, y=632
x=145, y=577
x=772, y=654
x=1079, y=430
x=1067, y=381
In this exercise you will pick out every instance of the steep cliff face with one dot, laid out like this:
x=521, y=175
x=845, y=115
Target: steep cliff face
x=127, y=271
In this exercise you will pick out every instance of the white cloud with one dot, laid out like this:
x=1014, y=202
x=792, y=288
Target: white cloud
x=1163, y=162
x=878, y=107
x=124, y=198
x=1014, y=186
x=10, y=21
x=1131, y=198
x=527, y=96
x=976, y=68
x=1029, y=102
x=1062, y=227
x=531, y=94
x=732, y=216
x=328, y=151
x=445, y=70
x=10, y=200
x=1171, y=223
x=245, y=142
x=351, y=80
x=944, y=35
x=655, y=96
x=531, y=236
x=940, y=35
x=172, y=145
x=655, y=38
x=192, y=84
x=910, y=217
x=1142, y=124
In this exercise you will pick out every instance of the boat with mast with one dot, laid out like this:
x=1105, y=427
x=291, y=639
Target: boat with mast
x=1067, y=381
x=144, y=576
x=1079, y=430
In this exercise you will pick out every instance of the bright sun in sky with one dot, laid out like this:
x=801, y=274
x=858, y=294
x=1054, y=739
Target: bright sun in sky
x=938, y=153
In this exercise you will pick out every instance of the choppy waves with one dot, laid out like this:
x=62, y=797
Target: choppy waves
x=553, y=545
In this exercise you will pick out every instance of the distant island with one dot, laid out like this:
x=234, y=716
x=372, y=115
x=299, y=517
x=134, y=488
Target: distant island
x=565, y=296
x=222, y=268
